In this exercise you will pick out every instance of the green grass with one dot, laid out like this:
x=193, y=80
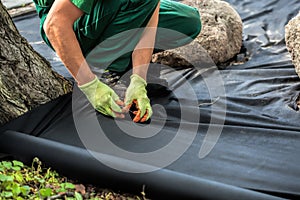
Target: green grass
x=18, y=182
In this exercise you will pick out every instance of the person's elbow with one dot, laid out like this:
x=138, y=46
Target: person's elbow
x=55, y=25
x=50, y=26
x=61, y=18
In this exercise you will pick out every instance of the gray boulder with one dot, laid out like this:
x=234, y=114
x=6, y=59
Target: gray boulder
x=220, y=37
x=292, y=38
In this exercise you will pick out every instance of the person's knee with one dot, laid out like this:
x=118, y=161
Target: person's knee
x=194, y=22
x=152, y=2
x=142, y=4
x=189, y=21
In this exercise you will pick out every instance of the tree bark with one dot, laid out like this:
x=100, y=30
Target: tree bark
x=26, y=78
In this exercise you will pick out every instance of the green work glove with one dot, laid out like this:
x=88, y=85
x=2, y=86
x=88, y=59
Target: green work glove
x=102, y=97
x=137, y=93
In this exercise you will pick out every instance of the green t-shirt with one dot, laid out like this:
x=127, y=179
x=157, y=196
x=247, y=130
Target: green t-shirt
x=45, y=5
x=84, y=5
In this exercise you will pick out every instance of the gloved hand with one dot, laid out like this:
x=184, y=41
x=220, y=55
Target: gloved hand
x=137, y=93
x=102, y=98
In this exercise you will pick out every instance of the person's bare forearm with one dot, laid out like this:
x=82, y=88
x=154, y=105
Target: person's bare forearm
x=58, y=27
x=142, y=54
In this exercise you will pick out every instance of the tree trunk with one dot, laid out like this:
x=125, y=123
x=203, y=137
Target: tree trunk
x=26, y=78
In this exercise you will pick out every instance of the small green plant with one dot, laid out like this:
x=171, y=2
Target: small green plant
x=18, y=181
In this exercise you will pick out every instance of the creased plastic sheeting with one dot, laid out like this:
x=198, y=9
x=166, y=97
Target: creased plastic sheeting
x=258, y=148
x=264, y=23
